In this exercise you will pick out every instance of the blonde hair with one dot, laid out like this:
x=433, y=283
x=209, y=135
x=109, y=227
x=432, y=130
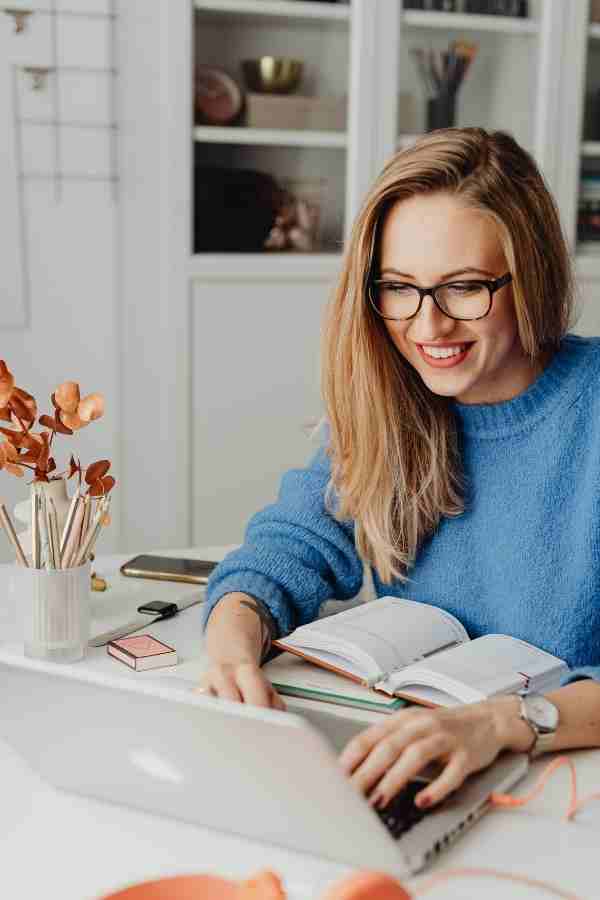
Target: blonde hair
x=395, y=461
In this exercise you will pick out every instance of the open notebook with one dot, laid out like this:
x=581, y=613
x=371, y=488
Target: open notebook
x=422, y=653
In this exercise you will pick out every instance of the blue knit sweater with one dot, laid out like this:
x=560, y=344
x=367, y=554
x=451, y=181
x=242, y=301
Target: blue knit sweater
x=523, y=559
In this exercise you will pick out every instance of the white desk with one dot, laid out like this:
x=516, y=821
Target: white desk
x=73, y=848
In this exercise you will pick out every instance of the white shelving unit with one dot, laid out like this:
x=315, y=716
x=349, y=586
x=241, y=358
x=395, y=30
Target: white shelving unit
x=238, y=333
x=469, y=22
x=271, y=137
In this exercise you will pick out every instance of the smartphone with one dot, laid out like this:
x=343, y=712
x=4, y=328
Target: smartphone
x=167, y=568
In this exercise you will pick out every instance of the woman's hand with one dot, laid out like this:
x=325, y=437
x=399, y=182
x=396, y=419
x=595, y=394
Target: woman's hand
x=384, y=758
x=243, y=682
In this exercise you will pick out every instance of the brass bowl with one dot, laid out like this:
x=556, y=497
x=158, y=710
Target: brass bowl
x=272, y=74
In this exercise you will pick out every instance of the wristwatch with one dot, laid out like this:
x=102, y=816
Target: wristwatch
x=542, y=717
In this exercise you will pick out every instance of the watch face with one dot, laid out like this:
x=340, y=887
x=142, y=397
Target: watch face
x=542, y=712
x=155, y=606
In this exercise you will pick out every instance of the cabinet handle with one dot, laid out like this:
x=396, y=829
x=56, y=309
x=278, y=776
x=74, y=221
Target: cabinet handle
x=20, y=16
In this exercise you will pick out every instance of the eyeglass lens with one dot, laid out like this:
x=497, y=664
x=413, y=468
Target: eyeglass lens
x=462, y=300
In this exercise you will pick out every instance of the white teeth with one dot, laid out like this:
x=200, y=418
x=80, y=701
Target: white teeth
x=445, y=352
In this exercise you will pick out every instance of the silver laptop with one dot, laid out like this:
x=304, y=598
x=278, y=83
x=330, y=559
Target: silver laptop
x=264, y=774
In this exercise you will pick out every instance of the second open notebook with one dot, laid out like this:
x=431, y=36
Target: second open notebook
x=422, y=653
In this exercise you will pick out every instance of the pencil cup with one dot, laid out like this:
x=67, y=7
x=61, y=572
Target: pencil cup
x=441, y=111
x=55, y=606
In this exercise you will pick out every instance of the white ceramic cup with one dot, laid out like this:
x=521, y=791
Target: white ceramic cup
x=54, y=608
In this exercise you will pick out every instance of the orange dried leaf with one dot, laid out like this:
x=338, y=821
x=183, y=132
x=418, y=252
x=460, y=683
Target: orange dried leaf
x=20, y=408
x=12, y=454
x=97, y=470
x=47, y=422
x=67, y=396
x=72, y=421
x=28, y=400
x=14, y=470
x=91, y=407
x=7, y=383
x=102, y=487
x=60, y=426
x=40, y=475
x=5, y=414
x=15, y=437
x=51, y=465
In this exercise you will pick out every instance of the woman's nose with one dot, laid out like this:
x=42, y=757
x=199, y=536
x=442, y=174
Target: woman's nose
x=430, y=323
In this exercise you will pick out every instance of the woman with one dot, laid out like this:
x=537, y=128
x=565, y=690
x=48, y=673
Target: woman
x=462, y=462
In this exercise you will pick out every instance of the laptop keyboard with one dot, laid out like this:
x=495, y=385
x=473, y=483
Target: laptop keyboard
x=401, y=814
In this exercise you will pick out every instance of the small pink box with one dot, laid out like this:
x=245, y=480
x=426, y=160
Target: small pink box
x=142, y=651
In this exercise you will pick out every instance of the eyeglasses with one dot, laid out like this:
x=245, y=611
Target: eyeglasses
x=461, y=300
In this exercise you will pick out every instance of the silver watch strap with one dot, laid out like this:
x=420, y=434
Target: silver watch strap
x=141, y=621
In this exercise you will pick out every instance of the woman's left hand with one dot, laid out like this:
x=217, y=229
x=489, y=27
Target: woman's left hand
x=384, y=758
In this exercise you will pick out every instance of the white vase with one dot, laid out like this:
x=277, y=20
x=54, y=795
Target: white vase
x=57, y=490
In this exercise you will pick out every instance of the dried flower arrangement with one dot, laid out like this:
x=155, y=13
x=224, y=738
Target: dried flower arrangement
x=23, y=448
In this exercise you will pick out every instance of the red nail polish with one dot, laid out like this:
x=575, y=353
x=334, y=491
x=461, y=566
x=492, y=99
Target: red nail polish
x=424, y=802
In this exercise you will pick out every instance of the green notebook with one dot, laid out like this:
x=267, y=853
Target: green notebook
x=294, y=677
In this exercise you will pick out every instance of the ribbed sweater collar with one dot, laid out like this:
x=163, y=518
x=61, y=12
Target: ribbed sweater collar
x=562, y=380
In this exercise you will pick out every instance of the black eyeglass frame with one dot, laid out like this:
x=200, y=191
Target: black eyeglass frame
x=423, y=292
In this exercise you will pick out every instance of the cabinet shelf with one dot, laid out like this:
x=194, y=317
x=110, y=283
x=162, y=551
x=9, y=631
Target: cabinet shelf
x=470, y=22
x=590, y=148
x=264, y=266
x=274, y=137
x=300, y=11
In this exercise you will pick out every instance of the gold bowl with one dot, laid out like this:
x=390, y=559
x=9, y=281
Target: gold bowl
x=272, y=74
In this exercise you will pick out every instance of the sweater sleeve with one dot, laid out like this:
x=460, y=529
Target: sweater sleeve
x=581, y=673
x=295, y=555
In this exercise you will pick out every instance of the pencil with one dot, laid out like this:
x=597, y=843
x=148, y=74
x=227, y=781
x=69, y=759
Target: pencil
x=49, y=535
x=73, y=540
x=92, y=535
x=54, y=529
x=12, y=535
x=36, y=544
x=69, y=523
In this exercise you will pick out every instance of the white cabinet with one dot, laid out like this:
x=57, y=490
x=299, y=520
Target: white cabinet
x=255, y=396
x=225, y=413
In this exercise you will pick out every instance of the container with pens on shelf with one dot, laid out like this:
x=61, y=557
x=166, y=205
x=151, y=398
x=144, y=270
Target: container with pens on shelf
x=442, y=74
x=50, y=585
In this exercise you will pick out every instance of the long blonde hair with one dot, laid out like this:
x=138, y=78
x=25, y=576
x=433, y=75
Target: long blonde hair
x=395, y=460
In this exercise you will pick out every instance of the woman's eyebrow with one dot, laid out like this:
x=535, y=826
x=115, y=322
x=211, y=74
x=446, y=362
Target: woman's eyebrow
x=442, y=277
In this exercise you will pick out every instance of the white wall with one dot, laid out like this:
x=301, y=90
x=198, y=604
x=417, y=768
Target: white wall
x=58, y=315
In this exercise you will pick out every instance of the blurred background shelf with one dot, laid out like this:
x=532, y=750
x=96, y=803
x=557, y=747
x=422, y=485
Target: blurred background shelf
x=274, y=137
x=282, y=9
x=469, y=22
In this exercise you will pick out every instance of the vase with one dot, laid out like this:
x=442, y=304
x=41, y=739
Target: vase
x=55, y=490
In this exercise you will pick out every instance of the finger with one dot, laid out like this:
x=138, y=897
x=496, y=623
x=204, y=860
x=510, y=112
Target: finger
x=224, y=686
x=253, y=686
x=410, y=762
x=417, y=720
x=385, y=753
x=451, y=778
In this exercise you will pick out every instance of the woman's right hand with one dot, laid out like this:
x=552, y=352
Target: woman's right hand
x=243, y=682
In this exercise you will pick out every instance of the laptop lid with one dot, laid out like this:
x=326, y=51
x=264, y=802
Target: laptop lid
x=264, y=774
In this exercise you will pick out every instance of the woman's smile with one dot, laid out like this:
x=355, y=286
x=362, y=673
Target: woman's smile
x=446, y=355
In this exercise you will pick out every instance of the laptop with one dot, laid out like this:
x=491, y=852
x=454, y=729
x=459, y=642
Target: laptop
x=267, y=775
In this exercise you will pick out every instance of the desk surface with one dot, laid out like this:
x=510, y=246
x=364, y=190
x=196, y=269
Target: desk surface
x=76, y=848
